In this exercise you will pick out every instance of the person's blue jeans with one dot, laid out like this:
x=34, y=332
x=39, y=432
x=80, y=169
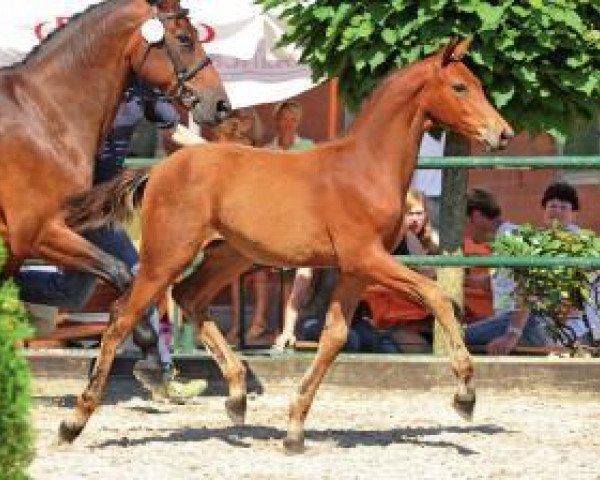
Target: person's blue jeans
x=482, y=332
x=71, y=289
x=311, y=330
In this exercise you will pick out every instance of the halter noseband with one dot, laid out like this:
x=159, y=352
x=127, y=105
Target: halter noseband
x=181, y=91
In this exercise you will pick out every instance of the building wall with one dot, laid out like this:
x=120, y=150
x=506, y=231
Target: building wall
x=520, y=191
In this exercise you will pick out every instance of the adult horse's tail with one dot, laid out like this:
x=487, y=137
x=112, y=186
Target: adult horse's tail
x=108, y=203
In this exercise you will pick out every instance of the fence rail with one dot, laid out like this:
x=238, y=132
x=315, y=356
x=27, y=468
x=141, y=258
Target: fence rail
x=496, y=261
x=571, y=162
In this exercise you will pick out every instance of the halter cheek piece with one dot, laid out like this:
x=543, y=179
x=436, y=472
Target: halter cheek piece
x=181, y=92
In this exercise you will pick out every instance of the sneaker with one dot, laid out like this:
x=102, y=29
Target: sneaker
x=162, y=384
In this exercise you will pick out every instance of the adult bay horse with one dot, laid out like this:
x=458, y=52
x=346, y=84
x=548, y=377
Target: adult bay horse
x=59, y=102
x=339, y=205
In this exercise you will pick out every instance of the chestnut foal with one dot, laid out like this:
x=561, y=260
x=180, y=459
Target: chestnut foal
x=339, y=205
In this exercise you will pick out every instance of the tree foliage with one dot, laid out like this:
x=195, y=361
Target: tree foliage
x=539, y=60
x=15, y=432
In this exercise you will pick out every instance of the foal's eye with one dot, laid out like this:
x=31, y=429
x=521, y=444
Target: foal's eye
x=460, y=88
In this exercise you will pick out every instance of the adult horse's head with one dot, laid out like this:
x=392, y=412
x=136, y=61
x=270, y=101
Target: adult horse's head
x=456, y=99
x=167, y=52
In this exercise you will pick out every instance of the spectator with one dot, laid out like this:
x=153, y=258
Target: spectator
x=244, y=126
x=71, y=289
x=511, y=326
x=288, y=115
x=307, y=307
x=420, y=239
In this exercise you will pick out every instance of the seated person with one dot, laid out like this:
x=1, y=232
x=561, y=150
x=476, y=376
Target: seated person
x=420, y=239
x=306, y=310
x=244, y=127
x=511, y=326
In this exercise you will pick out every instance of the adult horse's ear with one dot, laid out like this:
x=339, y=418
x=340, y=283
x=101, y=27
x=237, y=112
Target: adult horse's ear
x=456, y=50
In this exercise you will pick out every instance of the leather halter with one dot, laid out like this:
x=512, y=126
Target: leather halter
x=181, y=91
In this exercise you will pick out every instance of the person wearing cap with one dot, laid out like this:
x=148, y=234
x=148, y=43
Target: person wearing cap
x=71, y=289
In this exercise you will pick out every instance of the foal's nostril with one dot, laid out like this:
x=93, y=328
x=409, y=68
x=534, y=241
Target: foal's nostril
x=507, y=134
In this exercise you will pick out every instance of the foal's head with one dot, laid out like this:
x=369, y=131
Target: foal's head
x=454, y=98
x=167, y=52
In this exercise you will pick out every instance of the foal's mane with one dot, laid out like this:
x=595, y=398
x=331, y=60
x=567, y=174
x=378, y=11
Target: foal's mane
x=405, y=87
x=89, y=24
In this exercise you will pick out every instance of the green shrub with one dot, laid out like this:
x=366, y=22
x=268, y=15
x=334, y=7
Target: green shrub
x=551, y=292
x=15, y=431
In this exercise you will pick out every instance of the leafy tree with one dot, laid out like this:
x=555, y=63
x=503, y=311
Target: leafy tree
x=539, y=60
x=15, y=433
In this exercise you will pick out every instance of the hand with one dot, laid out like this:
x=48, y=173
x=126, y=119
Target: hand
x=286, y=339
x=502, y=345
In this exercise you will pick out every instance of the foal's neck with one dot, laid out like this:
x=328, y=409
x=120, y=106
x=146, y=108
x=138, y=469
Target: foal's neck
x=389, y=129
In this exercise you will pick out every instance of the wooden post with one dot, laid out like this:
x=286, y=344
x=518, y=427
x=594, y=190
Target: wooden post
x=452, y=220
x=333, y=110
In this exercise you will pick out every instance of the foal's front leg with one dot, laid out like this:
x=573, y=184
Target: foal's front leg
x=126, y=311
x=383, y=269
x=333, y=337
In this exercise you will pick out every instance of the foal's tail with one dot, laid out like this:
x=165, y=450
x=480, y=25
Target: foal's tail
x=108, y=203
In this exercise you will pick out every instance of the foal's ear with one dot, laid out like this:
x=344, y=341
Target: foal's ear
x=456, y=50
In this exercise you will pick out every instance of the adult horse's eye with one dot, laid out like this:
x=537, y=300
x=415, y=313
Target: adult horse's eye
x=460, y=88
x=185, y=39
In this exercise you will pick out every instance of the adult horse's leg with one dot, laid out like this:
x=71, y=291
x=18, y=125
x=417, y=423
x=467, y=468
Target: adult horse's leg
x=383, y=269
x=220, y=265
x=333, y=337
x=60, y=245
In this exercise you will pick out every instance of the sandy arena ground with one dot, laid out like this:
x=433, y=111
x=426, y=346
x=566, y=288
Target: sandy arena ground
x=351, y=434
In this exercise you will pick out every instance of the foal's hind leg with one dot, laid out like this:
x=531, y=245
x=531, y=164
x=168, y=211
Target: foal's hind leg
x=383, y=269
x=333, y=337
x=219, y=267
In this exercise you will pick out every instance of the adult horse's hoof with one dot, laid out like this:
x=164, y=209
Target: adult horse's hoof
x=464, y=404
x=236, y=409
x=294, y=445
x=69, y=431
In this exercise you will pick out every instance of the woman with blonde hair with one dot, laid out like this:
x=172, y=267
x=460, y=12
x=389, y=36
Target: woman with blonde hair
x=420, y=238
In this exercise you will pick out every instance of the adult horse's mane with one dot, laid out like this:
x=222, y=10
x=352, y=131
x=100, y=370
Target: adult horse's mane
x=95, y=14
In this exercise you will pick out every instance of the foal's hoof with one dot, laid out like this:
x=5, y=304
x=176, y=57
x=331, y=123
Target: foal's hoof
x=69, y=431
x=294, y=445
x=236, y=409
x=464, y=404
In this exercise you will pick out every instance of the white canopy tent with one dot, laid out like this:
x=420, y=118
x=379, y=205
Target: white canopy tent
x=242, y=43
